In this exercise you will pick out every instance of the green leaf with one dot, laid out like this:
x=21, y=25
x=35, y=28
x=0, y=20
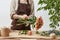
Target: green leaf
x=52, y=25
x=39, y=9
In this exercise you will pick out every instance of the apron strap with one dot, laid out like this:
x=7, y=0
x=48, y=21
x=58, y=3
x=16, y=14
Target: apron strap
x=27, y=1
x=18, y=1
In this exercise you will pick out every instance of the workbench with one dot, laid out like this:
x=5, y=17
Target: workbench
x=15, y=36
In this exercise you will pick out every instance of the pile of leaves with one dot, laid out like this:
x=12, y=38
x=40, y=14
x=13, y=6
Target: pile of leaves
x=43, y=33
x=47, y=33
x=57, y=32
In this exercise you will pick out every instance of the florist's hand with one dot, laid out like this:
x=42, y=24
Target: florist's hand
x=20, y=16
x=25, y=16
x=15, y=16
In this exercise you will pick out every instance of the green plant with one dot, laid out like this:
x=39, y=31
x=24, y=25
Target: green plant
x=53, y=6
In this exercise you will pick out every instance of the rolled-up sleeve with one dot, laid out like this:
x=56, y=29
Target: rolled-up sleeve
x=12, y=8
x=32, y=8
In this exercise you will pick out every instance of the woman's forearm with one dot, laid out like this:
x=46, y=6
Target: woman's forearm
x=17, y=16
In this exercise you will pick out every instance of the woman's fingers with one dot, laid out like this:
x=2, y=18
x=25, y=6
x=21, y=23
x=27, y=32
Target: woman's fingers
x=15, y=16
x=25, y=16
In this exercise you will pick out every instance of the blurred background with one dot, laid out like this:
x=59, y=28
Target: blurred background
x=5, y=14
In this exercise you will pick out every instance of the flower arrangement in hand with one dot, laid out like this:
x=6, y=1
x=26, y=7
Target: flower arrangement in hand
x=31, y=20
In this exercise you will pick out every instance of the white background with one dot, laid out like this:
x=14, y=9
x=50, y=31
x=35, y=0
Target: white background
x=5, y=14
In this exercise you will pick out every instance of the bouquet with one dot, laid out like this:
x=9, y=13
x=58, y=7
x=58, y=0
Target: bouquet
x=26, y=22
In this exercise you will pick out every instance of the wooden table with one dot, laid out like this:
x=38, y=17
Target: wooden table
x=14, y=36
x=27, y=37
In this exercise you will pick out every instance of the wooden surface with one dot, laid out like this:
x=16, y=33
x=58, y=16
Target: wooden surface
x=14, y=36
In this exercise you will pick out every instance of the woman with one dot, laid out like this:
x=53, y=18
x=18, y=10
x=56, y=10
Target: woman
x=21, y=9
